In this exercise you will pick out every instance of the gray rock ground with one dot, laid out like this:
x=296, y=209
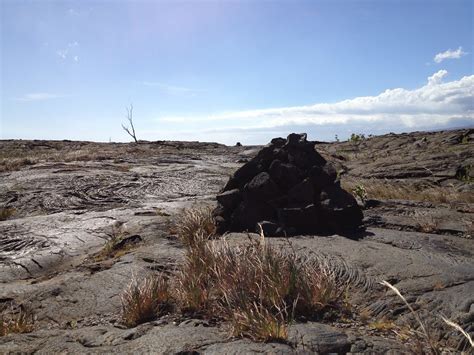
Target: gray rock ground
x=70, y=197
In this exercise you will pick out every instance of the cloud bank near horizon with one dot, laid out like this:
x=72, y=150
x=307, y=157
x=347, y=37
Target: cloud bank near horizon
x=436, y=104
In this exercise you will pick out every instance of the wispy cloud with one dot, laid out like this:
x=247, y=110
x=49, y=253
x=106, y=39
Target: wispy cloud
x=449, y=54
x=434, y=104
x=37, y=96
x=171, y=89
x=75, y=12
x=64, y=53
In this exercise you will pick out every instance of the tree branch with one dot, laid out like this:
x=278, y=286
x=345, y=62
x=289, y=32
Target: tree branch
x=131, y=129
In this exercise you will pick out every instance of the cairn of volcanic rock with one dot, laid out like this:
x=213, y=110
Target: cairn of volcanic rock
x=288, y=189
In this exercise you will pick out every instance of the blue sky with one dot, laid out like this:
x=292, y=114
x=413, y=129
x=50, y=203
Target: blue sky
x=232, y=71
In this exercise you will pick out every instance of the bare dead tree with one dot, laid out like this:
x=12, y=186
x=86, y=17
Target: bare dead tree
x=130, y=129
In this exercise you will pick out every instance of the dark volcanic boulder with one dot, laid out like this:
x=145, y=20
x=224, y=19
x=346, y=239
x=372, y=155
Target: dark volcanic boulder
x=288, y=188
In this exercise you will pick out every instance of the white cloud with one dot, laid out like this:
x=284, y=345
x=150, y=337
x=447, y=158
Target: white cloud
x=171, y=89
x=449, y=54
x=37, y=96
x=437, y=77
x=76, y=58
x=434, y=104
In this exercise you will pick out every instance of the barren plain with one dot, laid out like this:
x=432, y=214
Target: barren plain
x=61, y=201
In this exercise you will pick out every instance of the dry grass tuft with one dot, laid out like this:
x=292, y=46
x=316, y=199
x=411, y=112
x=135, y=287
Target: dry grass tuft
x=257, y=288
x=7, y=165
x=109, y=249
x=257, y=322
x=257, y=283
x=424, y=332
x=383, y=325
x=115, y=246
x=390, y=190
x=469, y=229
x=193, y=223
x=458, y=328
x=6, y=213
x=16, y=322
x=144, y=300
x=424, y=339
x=426, y=222
x=194, y=280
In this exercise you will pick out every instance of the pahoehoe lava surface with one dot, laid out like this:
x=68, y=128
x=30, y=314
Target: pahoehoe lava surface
x=66, y=199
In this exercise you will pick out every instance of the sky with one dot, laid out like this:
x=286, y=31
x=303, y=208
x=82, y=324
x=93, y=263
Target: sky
x=228, y=71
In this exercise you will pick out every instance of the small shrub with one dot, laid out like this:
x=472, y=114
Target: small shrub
x=144, y=300
x=356, y=138
x=6, y=213
x=463, y=173
x=21, y=321
x=360, y=192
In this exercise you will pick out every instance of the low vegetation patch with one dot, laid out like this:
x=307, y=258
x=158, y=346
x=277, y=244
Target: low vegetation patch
x=145, y=299
x=356, y=138
x=19, y=321
x=258, y=289
x=388, y=190
x=195, y=224
x=118, y=244
x=6, y=213
x=425, y=342
x=7, y=165
x=360, y=193
x=463, y=173
x=426, y=222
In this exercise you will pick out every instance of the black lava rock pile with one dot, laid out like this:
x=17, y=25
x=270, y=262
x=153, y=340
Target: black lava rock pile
x=288, y=188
